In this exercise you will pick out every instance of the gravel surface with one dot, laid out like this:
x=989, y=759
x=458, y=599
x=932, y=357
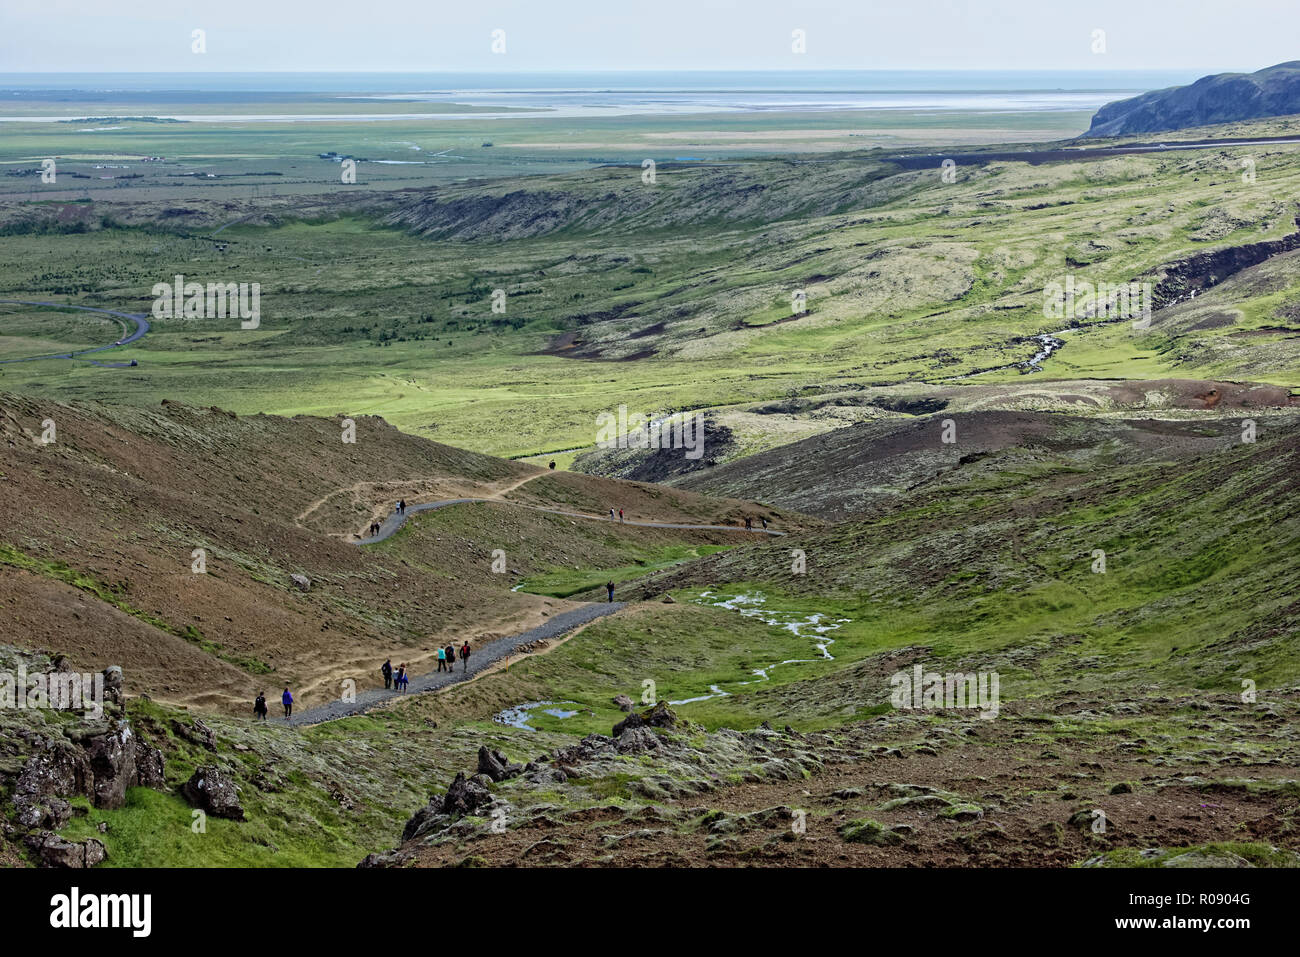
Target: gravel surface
x=394, y=521
x=481, y=657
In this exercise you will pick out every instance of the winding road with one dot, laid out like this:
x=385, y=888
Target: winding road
x=395, y=521
x=141, y=328
x=482, y=657
x=1070, y=154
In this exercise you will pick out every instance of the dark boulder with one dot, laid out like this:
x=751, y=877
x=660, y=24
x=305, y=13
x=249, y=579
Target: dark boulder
x=496, y=765
x=112, y=762
x=660, y=716
x=54, y=851
x=464, y=796
x=395, y=858
x=52, y=813
x=213, y=791
x=423, y=821
x=149, y=766
x=50, y=775
x=637, y=741
x=629, y=723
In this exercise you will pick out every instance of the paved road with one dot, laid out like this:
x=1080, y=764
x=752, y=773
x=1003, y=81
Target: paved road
x=141, y=328
x=1073, y=153
x=394, y=521
x=482, y=657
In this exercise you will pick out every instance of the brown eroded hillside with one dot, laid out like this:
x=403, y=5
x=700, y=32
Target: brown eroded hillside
x=99, y=530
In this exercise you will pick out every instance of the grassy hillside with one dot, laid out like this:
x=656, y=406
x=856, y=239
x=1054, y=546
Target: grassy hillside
x=102, y=526
x=1122, y=687
x=685, y=299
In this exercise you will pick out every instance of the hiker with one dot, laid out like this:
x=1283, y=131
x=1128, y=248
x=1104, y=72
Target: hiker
x=287, y=699
x=749, y=524
x=259, y=706
x=611, y=515
x=609, y=587
x=764, y=521
x=387, y=672
x=464, y=657
x=620, y=515
x=401, y=678
x=451, y=657
x=442, y=659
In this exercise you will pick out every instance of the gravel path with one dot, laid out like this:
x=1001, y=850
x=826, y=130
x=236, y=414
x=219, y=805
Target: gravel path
x=482, y=657
x=394, y=521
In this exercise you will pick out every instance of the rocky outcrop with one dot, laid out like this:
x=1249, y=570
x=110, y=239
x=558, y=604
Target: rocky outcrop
x=113, y=684
x=637, y=741
x=112, y=765
x=496, y=765
x=196, y=733
x=465, y=796
x=660, y=764
x=1222, y=98
x=660, y=716
x=150, y=768
x=54, y=851
x=98, y=763
x=1184, y=278
x=394, y=858
x=214, y=792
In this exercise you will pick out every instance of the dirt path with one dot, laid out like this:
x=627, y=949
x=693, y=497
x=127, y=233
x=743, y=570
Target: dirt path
x=377, y=514
x=482, y=659
x=395, y=521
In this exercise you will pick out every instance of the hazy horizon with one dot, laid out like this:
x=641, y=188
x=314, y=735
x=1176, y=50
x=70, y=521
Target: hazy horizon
x=59, y=36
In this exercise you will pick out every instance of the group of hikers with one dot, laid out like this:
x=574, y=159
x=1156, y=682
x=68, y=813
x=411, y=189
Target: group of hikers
x=398, y=509
x=394, y=680
x=259, y=706
x=446, y=662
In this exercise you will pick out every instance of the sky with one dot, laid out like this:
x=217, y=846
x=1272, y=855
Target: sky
x=137, y=36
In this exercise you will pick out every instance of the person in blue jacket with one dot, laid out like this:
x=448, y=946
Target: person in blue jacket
x=287, y=698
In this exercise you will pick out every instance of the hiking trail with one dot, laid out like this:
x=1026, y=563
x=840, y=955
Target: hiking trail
x=482, y=658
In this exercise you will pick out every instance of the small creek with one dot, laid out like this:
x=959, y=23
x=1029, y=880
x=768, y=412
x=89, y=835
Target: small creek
x=813, y=626
x=519, y=715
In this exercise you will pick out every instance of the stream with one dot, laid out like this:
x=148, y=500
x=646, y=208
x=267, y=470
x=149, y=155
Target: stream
x=519, y=715
x=812, y=626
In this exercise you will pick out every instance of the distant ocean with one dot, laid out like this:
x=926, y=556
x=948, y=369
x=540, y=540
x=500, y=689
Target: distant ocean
x=615, y=93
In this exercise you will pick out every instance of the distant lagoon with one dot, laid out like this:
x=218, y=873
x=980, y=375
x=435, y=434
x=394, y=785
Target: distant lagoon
x=558, y=95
